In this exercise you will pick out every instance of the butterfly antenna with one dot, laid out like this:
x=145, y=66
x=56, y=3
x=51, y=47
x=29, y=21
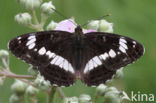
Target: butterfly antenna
x=64, y=16
x=99, y=18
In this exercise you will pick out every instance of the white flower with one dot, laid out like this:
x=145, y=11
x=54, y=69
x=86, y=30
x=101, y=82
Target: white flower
x=101, y=25
x=30, y=4
x=31, y=90
x=100, y=90
x=23, y=18
x=84, y=98
x=18, y=87
x=52, y=25
x=4, y=54
x=47, y=8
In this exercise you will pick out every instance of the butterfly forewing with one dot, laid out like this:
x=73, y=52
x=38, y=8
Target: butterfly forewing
x=48, y=51
x=105, y=53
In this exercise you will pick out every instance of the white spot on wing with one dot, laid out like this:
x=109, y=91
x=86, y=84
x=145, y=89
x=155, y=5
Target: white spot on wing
x=104, y=56
x=19, y=38
x=97, y=60
x=95, y=64
x=91, y=66
x=119, y=53
x=123, y=40
x=35, y=49
x=42, y=51
x=54, y=60
x=112, y=53
x=50, y=54
x=70, y=68
x=31, y=41
x=124, y=45
x=134, y=42
x=31, y=37
x=86, y=68
x=65, y=65
x=122, y=49
x=59, y=61
x=31, y=46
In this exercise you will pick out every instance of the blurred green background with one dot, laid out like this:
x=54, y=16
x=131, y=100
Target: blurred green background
x=132, y=18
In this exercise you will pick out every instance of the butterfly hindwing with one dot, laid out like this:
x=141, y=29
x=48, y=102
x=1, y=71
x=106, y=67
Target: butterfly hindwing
x=48, y=51
x=105, y=53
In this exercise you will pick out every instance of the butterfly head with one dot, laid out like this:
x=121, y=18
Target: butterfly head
x=78, y=30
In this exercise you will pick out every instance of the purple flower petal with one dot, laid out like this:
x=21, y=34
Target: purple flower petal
x=67, y=25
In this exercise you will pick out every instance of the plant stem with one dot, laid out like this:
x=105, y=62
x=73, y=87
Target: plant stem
x=5, y=63
x=12, y=75
x=95, y=98
x=43, y=19
x=60, y=92
x=51, y=95
x=34, y=17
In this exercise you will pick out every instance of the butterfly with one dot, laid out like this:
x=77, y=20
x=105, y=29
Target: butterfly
x=63, y=57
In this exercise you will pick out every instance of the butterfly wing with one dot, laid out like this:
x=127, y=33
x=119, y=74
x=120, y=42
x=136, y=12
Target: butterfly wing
x=48, y=52
x=105, y=53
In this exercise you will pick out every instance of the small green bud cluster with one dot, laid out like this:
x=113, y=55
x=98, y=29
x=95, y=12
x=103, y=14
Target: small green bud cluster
x=4, y=54
x=1, y=80
x=119, y=74
x=23, y=18
x=47, y=8
x=30, y=18
x=83, y=98
x=111, y=94
x=101, y=25
x=31, y=91
x=32, y=71
x=30, y=4
x=4, y=57
x=52, y=25
x=18, y=88
x=41, y=83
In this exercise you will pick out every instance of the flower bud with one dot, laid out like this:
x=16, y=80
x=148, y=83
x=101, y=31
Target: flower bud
x=108, y=89
x=4, y=54
x=47, y=8
x=32, y=91
x=42, y=83
x=19, y=87
x=14, y=98
x=119, y=74
x=65, y=100
x=109, y=81
x=94, y=24
x=105, y=26
x=52, y=25
x=101, y=25
x=100, y=90
x=73, y=100
x=23, y=18
x=112, y=97
x=31, y=4
x=84, y=98
x=1, y=81
x=32, y=71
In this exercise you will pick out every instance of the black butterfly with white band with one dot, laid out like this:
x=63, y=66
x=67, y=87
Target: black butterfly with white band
x=63, y=57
